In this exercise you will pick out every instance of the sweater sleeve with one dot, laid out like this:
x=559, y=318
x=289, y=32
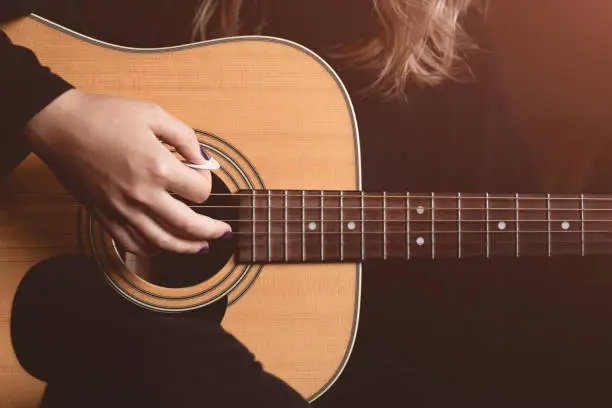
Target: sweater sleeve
x=26, y=87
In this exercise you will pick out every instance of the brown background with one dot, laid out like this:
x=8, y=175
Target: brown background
x=555, y=58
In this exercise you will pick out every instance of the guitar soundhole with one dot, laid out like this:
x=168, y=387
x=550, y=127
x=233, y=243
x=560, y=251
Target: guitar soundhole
x=172, y=270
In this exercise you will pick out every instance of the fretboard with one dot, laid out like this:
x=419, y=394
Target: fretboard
x=334, y=226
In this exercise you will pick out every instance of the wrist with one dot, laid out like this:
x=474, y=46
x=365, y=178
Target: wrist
x=50, y=118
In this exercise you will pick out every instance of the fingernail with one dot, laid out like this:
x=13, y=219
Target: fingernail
x=227, y=235
x=204, y=250
x=204, y=154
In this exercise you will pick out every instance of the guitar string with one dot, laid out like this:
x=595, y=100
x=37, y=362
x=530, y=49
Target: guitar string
x=417, y=208
x=403, y=209
x=357, y=196
x=357, y=222
x=400, y=246
x=420, y=233
x=463, y=196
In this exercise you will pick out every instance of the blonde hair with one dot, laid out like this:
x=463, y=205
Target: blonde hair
x=419, y=41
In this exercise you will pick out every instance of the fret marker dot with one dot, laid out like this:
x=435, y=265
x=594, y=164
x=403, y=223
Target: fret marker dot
x=501, y=225
x=420, y=210
x=312, y=226
x=420, y=241
x=351, y=226
x=565, y=225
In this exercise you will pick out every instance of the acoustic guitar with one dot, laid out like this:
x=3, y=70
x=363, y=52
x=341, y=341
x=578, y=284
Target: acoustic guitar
x=280, y=123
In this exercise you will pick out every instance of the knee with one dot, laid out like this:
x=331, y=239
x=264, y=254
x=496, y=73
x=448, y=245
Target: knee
x=41, y=296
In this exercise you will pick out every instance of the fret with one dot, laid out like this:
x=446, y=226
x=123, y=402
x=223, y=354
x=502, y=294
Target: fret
x=286, y=229
x=254, y=232
x=565, y=225
x=313, y=224
x=488, y=231
x=253, y=244
x=261, y=248
x=322, y=228
x=420, y=219
x=246, y=241
x=582, y=224
x=548, y=225
x=597, y=225
x=332, y=225
x=373, y=226
x=362, y=225
x=269, y=225
x=276, y=226
x=385, y=226
x=351, y=226
x=407, y=225
x=396, y=215
x=533, y=213
x=445, y=226
x=433, y=227
x=474, y=225
x=303, y=226
x=517, y=224
x=459, y=253
x=502, y=225
x=341, y=226
x=294, y=237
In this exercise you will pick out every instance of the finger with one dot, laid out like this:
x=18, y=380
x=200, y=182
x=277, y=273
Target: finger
x=177, y=134
x=148, y=248
x=120, y=233
x=176, y=216
x=193, y=185
x=150, y=230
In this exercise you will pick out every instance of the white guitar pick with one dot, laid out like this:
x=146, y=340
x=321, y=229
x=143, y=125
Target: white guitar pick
x=211, y=164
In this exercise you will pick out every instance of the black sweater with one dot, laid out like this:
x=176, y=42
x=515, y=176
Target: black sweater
x=27, y=86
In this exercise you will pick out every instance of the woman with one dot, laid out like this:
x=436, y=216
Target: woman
x=385, y=51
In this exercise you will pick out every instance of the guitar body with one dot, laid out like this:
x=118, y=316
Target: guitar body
x=276, y=117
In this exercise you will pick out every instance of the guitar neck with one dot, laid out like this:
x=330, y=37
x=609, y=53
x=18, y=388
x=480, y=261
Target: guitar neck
x=333, y=226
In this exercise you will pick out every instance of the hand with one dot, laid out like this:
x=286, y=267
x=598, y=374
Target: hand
x=106, y=151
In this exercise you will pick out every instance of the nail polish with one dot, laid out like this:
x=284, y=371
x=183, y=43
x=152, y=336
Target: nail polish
x=205, y=250
x=204, y=153
x=227, y=235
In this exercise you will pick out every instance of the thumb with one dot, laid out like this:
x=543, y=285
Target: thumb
x=182, y=137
